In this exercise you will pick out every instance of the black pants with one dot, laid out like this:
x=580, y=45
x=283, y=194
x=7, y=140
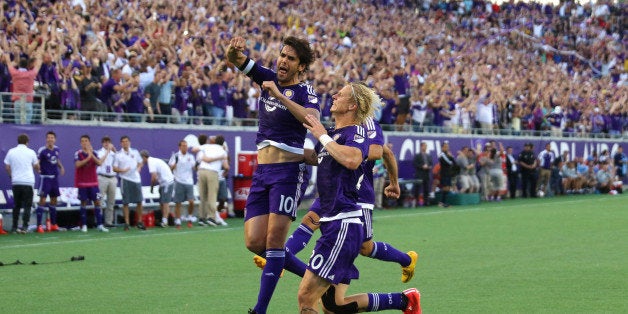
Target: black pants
x=423, y=188
x=22, y=198
x=512, y=184
x=528, y=184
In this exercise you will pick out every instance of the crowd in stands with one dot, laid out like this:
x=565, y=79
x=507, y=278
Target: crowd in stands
x=456, y=66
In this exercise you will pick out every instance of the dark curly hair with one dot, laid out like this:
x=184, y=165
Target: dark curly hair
x=302, y=48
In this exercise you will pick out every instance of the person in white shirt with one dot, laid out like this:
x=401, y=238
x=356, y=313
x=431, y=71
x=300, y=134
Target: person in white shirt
x=128, y=164
x=107, y=178
x=211, y=158
x=223, y=194
x=161, y=174
x=19, y=163
x=182, y=165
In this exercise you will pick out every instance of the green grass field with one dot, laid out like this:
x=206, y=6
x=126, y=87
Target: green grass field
x=553, y=255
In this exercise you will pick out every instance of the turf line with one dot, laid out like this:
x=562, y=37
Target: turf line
x=114, y=237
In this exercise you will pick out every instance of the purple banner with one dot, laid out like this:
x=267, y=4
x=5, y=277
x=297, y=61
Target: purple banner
x=163, y=142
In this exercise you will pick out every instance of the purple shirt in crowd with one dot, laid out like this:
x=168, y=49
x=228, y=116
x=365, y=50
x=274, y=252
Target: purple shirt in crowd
x=135, y=104
x=182, y=98
x=48, y=75
x=5, y=78
x=387, y=114
x=107, y=91
x=219, y=94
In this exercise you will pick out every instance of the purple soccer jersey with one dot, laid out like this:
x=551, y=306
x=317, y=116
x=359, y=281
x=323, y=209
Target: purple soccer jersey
x=374, y=136
x=338, y=186
x=49, y=161
x=276, y=122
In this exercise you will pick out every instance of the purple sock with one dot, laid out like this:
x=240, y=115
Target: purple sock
x=98, y=214
x=52, y=210
x=294, y=265
x=386, y=252
x=385, y=301
x=40, y=214
x=83, y=213
x=275, y=259
x=299, y=239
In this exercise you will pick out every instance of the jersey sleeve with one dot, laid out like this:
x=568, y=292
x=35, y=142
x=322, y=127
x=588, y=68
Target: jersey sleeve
x=311, y=98
x=259, y=73
x=356, y=137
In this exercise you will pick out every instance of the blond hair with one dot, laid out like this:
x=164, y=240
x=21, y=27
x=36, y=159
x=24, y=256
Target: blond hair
x=366, y=99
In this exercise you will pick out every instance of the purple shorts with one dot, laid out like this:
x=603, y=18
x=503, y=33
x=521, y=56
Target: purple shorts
x=367, y=220
x=89, y=194
x=276, y=188
x=336, y=250
x=49, y=187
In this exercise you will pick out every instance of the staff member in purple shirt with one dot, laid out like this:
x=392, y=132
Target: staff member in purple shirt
x=275, y=191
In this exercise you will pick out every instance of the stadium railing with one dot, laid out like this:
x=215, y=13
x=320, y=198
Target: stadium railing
x=91, y=117
x=22, y=111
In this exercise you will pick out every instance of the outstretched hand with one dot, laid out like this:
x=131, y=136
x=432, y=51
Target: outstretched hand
x=236, y=47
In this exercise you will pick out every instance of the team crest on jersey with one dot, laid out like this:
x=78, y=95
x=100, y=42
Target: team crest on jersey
x=372, y=134
x=358, y=138
x=288, y=93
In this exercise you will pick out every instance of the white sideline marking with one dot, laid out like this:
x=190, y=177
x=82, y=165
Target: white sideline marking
x=115, y=237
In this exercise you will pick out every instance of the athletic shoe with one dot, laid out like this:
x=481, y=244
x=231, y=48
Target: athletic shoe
x=260, y=262
x=211, y=222
x=84, y=228
x=407, y=272
x=202, y=222
x=126, y=227
x=40, y=229
x=221, y=222
x=141, y=226
x=414, y=301
x=54, y=227
x=192, y=218
x=18, y=231
x=190, y=224
x=252, y=311
x=163, y=224
x=102, y=228
x=443, y=205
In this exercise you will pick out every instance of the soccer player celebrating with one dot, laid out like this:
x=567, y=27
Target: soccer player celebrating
x=86, y=180
x=51, y=167
x=275, y=191
x=340, y=173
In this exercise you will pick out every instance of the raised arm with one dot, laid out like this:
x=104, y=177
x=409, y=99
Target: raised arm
x=348, y=156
